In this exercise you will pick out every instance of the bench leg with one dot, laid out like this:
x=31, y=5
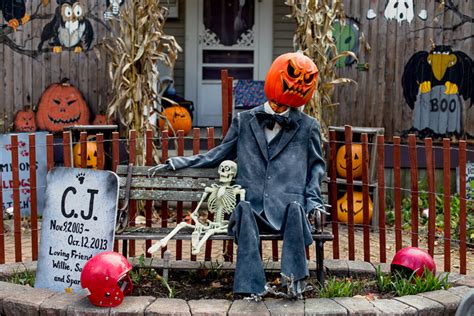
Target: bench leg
x=320, y=262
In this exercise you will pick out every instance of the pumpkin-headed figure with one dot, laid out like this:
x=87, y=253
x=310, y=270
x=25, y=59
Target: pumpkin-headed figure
x=291, y=80
x=356, y=161
x=25, y=121
x=91, y=155
x=358, y=207
x=61, y=105
x=179, y=118
x=102, y=119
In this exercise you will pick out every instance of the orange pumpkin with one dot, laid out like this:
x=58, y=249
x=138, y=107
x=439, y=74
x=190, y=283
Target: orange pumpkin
x=61, y=105
x=356, y=161
x=91, y=155
x=343, y=212
x=179, y=118
x=25, y=120
x=101, y=119
x=291, y=80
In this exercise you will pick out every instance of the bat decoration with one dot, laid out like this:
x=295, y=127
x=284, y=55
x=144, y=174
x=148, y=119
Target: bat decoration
x=434, y=83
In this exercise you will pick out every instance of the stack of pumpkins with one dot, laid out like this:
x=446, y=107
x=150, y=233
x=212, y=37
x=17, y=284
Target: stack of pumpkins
x=342, y=203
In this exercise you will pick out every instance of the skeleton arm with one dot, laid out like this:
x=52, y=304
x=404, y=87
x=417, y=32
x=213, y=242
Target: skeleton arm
x=194, y=214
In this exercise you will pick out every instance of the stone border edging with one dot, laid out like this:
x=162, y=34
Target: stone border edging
x=23, y=300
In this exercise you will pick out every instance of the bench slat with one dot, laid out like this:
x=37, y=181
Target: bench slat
x=186, y=172
x=158, y=195
x=167, y=183
x=185, y=234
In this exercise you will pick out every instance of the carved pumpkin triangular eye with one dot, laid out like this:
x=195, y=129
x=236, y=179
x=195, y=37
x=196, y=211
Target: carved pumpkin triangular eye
x=88, y=157
x=356, y=157
x=57, y=101
x=95, y=153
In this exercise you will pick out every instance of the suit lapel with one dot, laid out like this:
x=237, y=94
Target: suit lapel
x=258, y=133
x=287, y=136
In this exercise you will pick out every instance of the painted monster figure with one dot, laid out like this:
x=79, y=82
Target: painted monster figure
x=278, y=149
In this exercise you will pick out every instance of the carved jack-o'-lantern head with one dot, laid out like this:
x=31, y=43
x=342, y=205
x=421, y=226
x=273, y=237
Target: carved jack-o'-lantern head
x=91, y=155
x=61, y=105
x=356, y=161
x=343, y=209
x=25, y=120
x=291, y=80
x=179, y=118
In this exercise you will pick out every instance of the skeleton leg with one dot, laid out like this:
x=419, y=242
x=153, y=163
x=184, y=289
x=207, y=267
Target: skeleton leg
x=196, y=248
x=163, y=242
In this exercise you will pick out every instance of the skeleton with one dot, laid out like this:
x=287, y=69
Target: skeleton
x=221, y=200
x=113, y=9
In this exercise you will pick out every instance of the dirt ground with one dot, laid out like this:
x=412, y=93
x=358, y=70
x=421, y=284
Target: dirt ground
x=343, y=244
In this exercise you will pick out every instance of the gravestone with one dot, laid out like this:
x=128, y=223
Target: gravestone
x=78, y=222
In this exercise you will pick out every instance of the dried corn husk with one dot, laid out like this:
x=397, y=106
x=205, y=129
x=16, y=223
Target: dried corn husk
x=137, y=42
x=313, y=36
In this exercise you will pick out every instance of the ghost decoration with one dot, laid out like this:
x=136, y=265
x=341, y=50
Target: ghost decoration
x=400, y=10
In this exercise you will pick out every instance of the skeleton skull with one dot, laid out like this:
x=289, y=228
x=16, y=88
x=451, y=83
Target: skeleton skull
x=227, y=171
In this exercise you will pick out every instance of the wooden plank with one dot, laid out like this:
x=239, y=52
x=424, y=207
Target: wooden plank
x=132, y=209
x=431, y=194
x=179, y=204
x=100, y=151
x=414, y=188
x=333, y=193
x=446, y=204
x=187, y=172
x=196, y=149
x=16, y=198
x=349, y=191
x=83, y=145
x=157, y=233
x=148, y=204
x=225, y=99
x=462, y=208
x=168, y=183
x=2, y=226
x=67, y=149
x=164, y=204
x=115, y=162
x=365, y=194
x=49, y=152
x=381, y=197
x=33, y=197
x=210, y=145
x=397, y=193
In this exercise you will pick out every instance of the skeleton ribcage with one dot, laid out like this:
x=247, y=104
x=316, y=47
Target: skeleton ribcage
x=222, y=201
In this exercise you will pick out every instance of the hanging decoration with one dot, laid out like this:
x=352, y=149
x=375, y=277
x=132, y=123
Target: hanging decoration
x=69, y=28
x=433, y=84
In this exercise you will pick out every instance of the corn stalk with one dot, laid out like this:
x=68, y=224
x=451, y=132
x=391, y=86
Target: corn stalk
x=313, y=36
x=136, y=44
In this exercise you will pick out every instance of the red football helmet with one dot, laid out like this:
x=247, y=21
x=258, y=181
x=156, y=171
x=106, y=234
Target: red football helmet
x=411, y=259
x=106, y=277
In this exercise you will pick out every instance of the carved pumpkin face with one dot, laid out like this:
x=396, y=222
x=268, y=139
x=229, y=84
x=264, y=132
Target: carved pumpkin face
x=25, y=121
x=342, y=209
x=179, y=118
x=91, y=155
x=291, y=80
x=61, y=105
x=356, y=161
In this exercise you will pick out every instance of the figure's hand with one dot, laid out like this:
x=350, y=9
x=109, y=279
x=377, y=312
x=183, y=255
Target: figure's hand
x=153, y=170
x=315, y=217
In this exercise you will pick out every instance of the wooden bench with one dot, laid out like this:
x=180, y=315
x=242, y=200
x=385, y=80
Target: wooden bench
x=184, y=185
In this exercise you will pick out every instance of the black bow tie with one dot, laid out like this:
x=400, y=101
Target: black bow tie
x=269, y=120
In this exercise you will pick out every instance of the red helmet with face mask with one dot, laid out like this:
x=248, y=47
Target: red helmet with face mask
x=411, y=259
x=106, y=277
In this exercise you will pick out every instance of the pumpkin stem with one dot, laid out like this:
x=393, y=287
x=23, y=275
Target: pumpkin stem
x=65, y=82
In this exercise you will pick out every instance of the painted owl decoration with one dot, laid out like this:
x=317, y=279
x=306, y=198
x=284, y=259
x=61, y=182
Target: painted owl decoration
x=68, y=29
x=14, y=13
